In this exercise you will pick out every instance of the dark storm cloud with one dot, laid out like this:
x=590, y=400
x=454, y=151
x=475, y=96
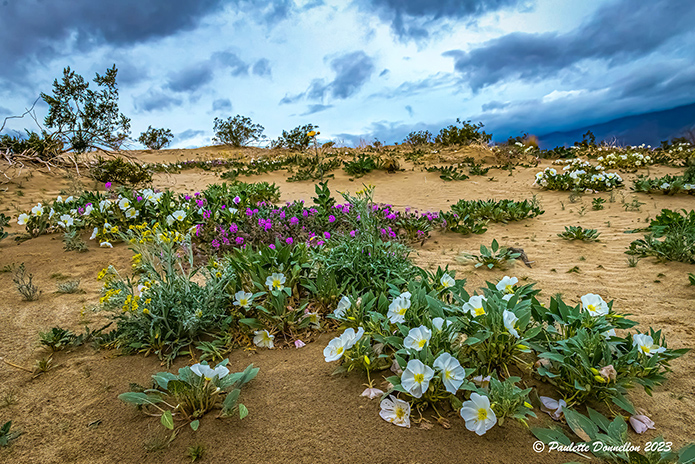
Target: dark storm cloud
x=154, y=100
x=622, y=31
x=262, y=68
x=411, y=88
x=222, y=104
x=412, y=19
x=495, y=105
x=190, y=79
x=37, y=29
x=352, y=71
x=232, y=61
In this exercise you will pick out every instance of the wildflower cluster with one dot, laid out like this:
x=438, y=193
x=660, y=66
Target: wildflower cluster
x=578, y=175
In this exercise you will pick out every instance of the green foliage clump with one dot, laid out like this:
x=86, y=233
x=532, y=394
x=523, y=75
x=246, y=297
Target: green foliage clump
x=677, y=232
x=361, y=164
x=24, y=284
x=238, y=131
x=156, y=139
x=4, y=222
x=471, y=216
x=83, y=117
x=44, y=146
x=448, y=173
x=465, y=135
x=6, y=436
x=495, y=256
x=579, y=233
x=298, y=139
x=418, y=138
x=120, y=171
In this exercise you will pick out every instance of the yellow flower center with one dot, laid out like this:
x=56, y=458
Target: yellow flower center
x=645, y=349
x=243, y=302
x=419, y=378
x=591, y=308
x=400, y=413
x=421, y=343
x=340, y=350
x=482, y=414
x=479, y=311
x=508, y=289
x=448, y=375
x=401, y=311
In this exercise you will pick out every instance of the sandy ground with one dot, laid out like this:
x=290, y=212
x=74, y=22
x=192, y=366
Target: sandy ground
x=299, y=412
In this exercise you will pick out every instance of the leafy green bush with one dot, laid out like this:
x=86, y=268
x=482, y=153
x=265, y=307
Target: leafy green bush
x=495, y=256
x=418, y=138
x=120, y=171
x=448, y=173
x=360, y=165
x=156, y=139
x=86, y=118
x=45, y=146
x=465, y=135
x=579, y=233
x=677, y=232
x=237, y=132
x=297, y=139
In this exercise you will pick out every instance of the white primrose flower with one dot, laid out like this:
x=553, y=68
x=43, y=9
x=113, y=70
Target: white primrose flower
x=88, y=210
x=438, y=323
x=51, y=213
x=452, y=372
x=242, y=298
x=645, y=344
x=395, y=411
x=124, y=204
x=447, y=281
x=132, y=213
x=594, y=304
x=208, y=373
x=275, y=281
x=314, y=320
x=179, y=215
x=103, y=204
x=510, y=321
x=478, y=415
x=475, y=305
x=506, y=285
x=416, y=377
x=94, y=233
x=343, y=305
x=417, y=338
x=397, y=310
x=37, y=210
x=335, y=349
x=23, y=219
x=106, y=244
x=69, y=199
x=59, y=199
x=608, y=334
x=350, y=337
x=263, y=339
x=66, y=221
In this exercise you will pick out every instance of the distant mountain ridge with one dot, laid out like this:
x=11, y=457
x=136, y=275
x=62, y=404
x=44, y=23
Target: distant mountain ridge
x=648, y=128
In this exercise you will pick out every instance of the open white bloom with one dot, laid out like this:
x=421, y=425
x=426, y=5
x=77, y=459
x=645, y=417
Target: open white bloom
x=416, y=377
x=349, y=337
x=510, y=321
x=59, y=199
x=66, y=221
x=132, y=213
x=438, y=323
x=335, y=349
x=103, y=204
x=417, y=338
x=88, y=210
x=106, y=244
x=314, y=320
x=608, y=334
x=69, y=199
x=397, y=310
x=179, y=215
x=506, y=285
x=478, y=415
x=208, y=373
x=242, y=298
x=275, y=281
x=594, y=304
x=22, y=219
x=343, y=305
x=447, y=281
x=124, y=204
x=94, y=233
x=395, y=411
x=645, y=344
x=52, y=213
x=475, y=305
x=263, y=339
x=452, y=372
x=37, y=210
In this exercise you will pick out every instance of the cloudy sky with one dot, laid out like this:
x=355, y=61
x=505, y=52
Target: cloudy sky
x=359, y=68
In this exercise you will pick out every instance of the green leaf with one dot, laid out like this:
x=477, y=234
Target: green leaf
x=163, y=378
x=686, y=455
x=139, y=398
x=549, y=435
x=622, y=402
x=243, y=411
x=599, y=419
x=251, y=322
x=167, y=420
x=580, y=425
x=230, y=401
x=195, y=424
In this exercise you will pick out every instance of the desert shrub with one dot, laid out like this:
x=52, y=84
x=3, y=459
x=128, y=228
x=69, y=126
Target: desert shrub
x=4, y=222
x=24, y=284
x=297, y=139
x=465, y=135
x=677, y=234
x=626, y=160
x=579, y=233
x=156, y=139
x=417, y=138
x=73, y=242
x=668, y=185
x=120, y=171
x=448, y=173
x=83, y=117
x=45, y=146
x=237, y=132
x=360, y=165
x=495, y=256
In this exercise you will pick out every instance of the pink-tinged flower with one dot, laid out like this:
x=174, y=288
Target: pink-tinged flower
x=481, y=381
x=327, y=235
x=294, y=221
x=372, y=393
x=331, y=218
x=239, y=240
x=289, y=241
x=305, y=213
x=608, y=373
x=236, y=200
x=353, y=233
x=552, y=407
x=299, y=344
x=107, y=186
x=396, y=368
x=271, y=246
x=641, y=423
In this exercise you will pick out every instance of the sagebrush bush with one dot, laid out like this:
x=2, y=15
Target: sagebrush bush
x=238, y=131
x=156, y=139
x=120, y=171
